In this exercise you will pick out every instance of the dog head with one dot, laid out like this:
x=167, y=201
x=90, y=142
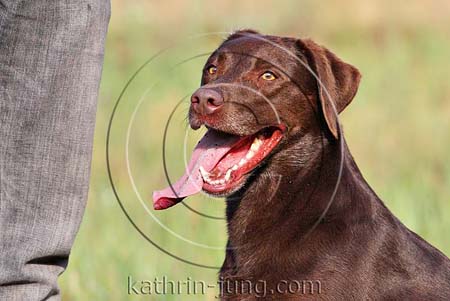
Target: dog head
x=259, y=95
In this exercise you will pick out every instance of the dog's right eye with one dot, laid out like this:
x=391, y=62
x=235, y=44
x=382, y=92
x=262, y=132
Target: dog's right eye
x=268, y=75
x=211, y=69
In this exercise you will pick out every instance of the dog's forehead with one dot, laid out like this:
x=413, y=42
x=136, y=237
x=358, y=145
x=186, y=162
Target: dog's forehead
x=272, y=49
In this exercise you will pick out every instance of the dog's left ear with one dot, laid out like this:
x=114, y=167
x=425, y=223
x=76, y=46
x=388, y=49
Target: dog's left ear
x=339, y=79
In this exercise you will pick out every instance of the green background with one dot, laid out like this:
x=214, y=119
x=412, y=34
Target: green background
x=398, y=127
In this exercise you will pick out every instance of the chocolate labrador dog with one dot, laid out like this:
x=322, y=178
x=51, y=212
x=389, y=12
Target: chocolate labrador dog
x=302, y=222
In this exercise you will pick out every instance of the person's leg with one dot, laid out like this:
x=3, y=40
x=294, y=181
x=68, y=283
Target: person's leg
x=51, y=55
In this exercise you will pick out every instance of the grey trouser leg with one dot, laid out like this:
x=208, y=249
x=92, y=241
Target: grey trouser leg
x=51, y=55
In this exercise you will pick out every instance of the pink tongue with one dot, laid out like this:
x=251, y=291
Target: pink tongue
x=208, y=152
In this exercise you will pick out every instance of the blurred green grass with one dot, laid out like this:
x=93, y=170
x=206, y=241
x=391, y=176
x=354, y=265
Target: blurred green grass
x=398, y=127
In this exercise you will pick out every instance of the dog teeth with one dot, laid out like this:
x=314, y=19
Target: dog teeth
x=207, y=177
x=204, y=173
x=228, y=175
x=256, y=144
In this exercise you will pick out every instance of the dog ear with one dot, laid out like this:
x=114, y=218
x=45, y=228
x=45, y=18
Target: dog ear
x=338, y=81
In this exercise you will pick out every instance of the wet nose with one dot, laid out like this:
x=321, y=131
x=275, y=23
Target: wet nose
x=205, y=101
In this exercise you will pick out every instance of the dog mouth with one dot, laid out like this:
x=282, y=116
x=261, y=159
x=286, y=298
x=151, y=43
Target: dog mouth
x=220, y=163
x=244, y=156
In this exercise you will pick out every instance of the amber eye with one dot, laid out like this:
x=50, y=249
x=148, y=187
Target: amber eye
x=268, y=76
x=212, y=70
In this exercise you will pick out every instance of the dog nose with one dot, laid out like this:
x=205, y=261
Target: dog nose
x=205, y=101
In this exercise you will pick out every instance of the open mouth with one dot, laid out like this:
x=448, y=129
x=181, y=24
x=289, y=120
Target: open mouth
x=243, y=157
x=219, y=164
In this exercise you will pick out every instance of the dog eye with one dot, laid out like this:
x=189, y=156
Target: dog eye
x=212, y=69
x=268, y=76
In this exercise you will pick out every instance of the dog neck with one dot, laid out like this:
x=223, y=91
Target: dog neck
x=290, y=204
